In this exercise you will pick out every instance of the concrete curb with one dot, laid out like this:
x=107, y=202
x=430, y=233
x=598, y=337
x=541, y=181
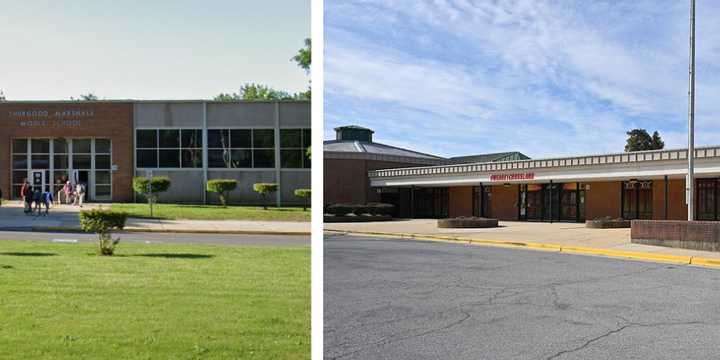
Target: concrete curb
x=578, y=250
x=72, y=229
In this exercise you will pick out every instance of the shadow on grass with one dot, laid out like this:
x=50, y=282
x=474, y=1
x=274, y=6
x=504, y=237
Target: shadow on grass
x=6, y=267
x=26, y=254
x=177, y=256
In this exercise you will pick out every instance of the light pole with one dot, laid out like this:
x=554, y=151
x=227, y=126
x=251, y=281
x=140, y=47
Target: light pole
x=690, y=180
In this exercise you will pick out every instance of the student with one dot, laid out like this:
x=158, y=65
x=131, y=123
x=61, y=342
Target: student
x=67, y=190
x=36, y=199
x=80, y=194
x=46, y=199
x=24, y=191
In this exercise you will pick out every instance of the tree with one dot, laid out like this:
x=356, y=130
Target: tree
x=640, y=140
x=304, y=194
x=2, y=96
x=86, y=97
x=258, y=92
x=265, y=189
x=222, y=187
x=304, y=56
x=151, y=188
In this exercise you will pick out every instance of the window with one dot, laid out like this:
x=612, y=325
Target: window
x=637, y=200
x=293, y=148
x=169, y=148
x=241, y=148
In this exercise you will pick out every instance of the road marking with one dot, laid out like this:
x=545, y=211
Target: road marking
x=70, y=241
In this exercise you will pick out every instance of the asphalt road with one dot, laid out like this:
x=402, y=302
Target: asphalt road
x=166, y=238
x=403, y=299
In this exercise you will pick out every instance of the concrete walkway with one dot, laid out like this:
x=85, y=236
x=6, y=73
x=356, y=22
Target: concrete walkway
x=65, y=217
x=563, y=234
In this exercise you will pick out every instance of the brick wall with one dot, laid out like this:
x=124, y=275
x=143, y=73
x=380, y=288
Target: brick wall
x=460, y=201
x=504, y=202
x=603, y=199
x=113, y=120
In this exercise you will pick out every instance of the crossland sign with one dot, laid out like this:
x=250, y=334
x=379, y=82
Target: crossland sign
x=509, y=177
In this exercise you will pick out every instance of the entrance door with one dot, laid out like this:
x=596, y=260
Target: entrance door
x=83, y=177
x=37, y=180
x=534, y=202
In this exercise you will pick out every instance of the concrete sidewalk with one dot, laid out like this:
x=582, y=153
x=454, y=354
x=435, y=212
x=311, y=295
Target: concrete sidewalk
x=551, y=236
x=65, y=218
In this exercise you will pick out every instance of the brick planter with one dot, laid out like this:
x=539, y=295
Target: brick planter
x=607, y=224
x=696, y=235
x=467, y=222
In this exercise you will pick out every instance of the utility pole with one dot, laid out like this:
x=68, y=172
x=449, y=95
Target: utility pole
x=690, y=180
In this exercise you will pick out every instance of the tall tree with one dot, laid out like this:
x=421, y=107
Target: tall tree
x=258, y=92
x=86, y=97
x=2, y=96
x=304, y=60
x=640, y=140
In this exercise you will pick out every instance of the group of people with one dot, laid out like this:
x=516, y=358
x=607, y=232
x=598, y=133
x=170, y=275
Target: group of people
x=35, y=199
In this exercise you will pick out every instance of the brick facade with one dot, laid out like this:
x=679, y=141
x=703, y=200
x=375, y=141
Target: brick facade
x=460, y=201
x=112, y=120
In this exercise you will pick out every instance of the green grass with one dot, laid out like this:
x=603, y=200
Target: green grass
x=213, y=212
x=61, y=301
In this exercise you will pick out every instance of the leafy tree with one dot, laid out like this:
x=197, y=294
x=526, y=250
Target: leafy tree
x=304, y=56
x=640, y=140
x=103, y=222
x=265, y=189
x=86, y=97
x=304, y=194
x=151, y=188
x=2, y=96
x=258, y=92
x=222, y=187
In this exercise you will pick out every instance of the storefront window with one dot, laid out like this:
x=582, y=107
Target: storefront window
x=707, y=199
x=241, y=148
x=293, y=148
x=169, y=148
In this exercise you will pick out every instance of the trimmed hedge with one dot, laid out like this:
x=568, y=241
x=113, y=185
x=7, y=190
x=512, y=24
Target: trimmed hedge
x=607, y=223
x=222, y=187
x=303, y=194
x=467, y=222
x=373, y=209
x=264, y=189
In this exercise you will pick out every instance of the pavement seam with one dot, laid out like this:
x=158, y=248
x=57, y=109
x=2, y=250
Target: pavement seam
x=577, y=250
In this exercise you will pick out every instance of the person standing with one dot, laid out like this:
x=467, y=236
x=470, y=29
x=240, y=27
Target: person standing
x=46, y=199
x=67, y=190
x=36, y=199
x=24, y=194
x=80, y=194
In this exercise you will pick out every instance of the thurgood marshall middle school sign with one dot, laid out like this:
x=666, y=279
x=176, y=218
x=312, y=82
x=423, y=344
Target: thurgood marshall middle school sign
x=507, y=177
x=44, y=118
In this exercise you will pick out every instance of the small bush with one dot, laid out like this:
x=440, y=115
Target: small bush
x=359, y=209
x=340, y=209
x=222, y=187
x=304, y=194
x=151, y=188
x=264, y=189
x=381, y=209
x=103, y=222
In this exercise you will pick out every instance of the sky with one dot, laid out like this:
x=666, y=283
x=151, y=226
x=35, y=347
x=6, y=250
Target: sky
x=546, y=78
x=133, y=49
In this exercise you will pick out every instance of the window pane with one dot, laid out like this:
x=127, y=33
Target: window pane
x=102, y=161
x=60, y=146
x=192, y=158
x=60, y=177
x=291, y=158
x=102, y=146
x=264, y=158
x=169, y=158
x=306, y=137
x=40, y=146
x=241, y=159
x=40, y=161
x=147, y=138
x=19, y=177
x=216, y=158
x=102, y=190
x=290, y=138
x=192, y=138
x=169, y=139
x=20, y=146
x=81, y=146
x=147, y=158
x=102, y=177
x=240, y=138
x=218, y=139
x=264, y=138
x=61, y=162
x=81, y=162
x=20, y=161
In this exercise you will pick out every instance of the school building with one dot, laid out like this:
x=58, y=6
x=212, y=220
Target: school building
x=104, y=144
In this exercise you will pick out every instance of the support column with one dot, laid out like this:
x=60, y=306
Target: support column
x=278, y=173
x=666, y=198
x=205, y=152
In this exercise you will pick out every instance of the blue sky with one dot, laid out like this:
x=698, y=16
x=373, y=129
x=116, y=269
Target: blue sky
x=547, y=78
x=180, y=49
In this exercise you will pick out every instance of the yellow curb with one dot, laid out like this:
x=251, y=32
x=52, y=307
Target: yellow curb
x=704, y=262
x=674, y=259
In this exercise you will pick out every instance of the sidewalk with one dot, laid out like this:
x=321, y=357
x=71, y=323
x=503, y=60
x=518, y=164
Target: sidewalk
x=65, y=218
x=564, y=237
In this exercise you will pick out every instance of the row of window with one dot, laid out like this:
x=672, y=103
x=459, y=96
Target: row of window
x=60, y=161
x=60, y=146
x=227, y=148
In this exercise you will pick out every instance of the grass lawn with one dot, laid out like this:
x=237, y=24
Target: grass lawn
x=214, y=212
x=61, y=301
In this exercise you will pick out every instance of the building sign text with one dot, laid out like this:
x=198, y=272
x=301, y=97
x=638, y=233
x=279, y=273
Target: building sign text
x=508, y=177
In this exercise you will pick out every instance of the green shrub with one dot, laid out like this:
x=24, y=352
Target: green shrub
x=304, y=194
x=359, y=209
x=340, y=209
x=265, y=189
x=102, y=223
x=151, y=188
x=384, y=209
x=222, y=187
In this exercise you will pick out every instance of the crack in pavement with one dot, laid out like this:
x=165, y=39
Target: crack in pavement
x=589, y=342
